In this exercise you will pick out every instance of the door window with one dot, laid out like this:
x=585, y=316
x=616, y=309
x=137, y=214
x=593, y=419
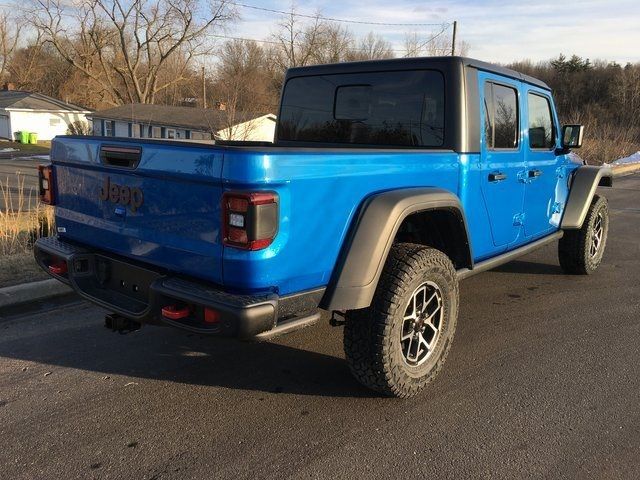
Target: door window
x=501, y=116
x=541, y=134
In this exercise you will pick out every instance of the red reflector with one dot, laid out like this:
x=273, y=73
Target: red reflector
x=211, y=316
x=45, y=185
x=175, y=312
x=58, y=268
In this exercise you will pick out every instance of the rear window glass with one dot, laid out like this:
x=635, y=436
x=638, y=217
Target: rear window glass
x=387, y=108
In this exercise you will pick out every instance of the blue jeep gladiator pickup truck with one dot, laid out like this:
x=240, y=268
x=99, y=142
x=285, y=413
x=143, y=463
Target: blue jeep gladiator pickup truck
x=388, y=182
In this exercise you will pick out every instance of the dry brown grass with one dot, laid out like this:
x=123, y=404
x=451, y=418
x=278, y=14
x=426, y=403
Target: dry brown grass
x=608, y=146
x=24, y=219
x=604, y=141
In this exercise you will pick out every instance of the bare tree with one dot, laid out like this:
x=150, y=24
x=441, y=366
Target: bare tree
x=371, y=47
x=298, y=42
x=10, y=30
x=242, y=86
x=438, y=44
x=123, y=45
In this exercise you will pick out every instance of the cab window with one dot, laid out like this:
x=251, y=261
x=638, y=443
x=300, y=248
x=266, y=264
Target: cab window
x=541, y=131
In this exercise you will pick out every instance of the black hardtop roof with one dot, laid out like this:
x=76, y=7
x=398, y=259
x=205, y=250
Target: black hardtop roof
x=412, y=63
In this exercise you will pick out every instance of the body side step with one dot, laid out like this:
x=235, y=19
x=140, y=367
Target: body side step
x=509, y=256
x=289, y=326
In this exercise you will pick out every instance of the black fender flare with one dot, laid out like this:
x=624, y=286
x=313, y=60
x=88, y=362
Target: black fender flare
x=586, y=180
x=365, y=251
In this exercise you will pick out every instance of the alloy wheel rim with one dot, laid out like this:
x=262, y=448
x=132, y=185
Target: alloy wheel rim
x=596, y=236
x=422, y=324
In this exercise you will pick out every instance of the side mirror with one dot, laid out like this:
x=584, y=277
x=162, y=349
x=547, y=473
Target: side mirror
x=572, y=136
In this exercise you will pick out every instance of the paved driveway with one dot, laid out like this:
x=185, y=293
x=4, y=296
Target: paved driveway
x=543, y=381
x=17, y=171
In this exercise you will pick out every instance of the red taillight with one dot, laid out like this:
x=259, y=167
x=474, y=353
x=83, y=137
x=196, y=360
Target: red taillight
x=250, y=219
x=45, y=184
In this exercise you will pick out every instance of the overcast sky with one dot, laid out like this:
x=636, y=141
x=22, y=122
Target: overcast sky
x=497, y=31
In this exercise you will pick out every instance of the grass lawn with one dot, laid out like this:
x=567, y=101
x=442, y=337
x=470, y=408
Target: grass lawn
x=20, y=268
x=42, y=148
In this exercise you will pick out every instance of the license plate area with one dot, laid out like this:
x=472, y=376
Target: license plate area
x=124, y=278
x=113, y=282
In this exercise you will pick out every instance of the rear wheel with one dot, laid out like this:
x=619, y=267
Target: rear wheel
x=580, y=251
x=398, y=344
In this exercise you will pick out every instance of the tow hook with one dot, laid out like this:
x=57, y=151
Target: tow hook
x=337, y=319
x=120, y=324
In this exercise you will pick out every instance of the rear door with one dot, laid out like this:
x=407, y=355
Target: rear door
x=502, y=158
x=545, y=187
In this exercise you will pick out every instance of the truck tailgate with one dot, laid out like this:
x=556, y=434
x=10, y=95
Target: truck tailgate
x=153, y=201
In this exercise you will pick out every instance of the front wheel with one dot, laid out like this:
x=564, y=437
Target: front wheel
x=398, y=344
x=580, y=251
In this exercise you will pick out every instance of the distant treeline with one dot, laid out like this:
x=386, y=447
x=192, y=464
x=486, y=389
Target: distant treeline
x=604, y=96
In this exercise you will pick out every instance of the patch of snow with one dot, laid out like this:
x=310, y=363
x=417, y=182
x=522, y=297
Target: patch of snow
x=7, y=150
x=635, y=158
x=575, y=157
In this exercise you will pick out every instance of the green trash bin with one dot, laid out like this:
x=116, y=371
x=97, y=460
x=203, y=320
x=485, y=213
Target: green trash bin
x=33, y=138
x=24, y=137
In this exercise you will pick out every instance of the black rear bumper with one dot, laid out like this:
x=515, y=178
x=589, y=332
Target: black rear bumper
x=140, y=292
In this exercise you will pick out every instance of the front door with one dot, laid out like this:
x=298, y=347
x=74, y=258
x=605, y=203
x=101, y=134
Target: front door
x=502, y=158
x=545, y=185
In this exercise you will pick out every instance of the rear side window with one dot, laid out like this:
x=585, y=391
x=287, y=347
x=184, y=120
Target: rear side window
x=501, y=116
x=403, y=108
x=541, y=134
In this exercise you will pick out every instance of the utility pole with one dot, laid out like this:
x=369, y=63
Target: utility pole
x=204, y=90
x=453, y=40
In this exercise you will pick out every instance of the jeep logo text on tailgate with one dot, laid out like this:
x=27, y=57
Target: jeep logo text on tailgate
x=122, y=194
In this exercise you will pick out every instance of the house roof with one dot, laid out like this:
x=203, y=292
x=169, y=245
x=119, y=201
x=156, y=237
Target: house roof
x=19, y=99
x=185, y=117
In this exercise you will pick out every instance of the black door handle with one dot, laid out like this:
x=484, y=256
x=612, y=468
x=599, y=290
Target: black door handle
x=534, y=173
x=497, y=177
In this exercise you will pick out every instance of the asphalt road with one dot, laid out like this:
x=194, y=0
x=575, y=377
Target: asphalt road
x=22, y=176
x=543, y=381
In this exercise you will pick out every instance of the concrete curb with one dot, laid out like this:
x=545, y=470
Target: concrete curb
x=622, y=170
x=31, y=292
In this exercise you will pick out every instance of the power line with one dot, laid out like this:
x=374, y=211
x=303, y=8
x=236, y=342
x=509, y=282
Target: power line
x=274, y=42
x=332, y=19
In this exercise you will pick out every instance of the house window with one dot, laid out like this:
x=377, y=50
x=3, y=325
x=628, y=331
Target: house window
x=171, y=133
x=109, y=128
x=157, y=132
x=54, y=122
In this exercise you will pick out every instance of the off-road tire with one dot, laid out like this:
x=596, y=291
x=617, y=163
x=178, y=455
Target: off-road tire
x=372, y=336
x=574, y=248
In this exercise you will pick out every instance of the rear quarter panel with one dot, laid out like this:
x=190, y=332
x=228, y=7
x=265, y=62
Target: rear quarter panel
x=320, y=192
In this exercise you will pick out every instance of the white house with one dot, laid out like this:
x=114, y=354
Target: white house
x=36, y=113
x=177, y=123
